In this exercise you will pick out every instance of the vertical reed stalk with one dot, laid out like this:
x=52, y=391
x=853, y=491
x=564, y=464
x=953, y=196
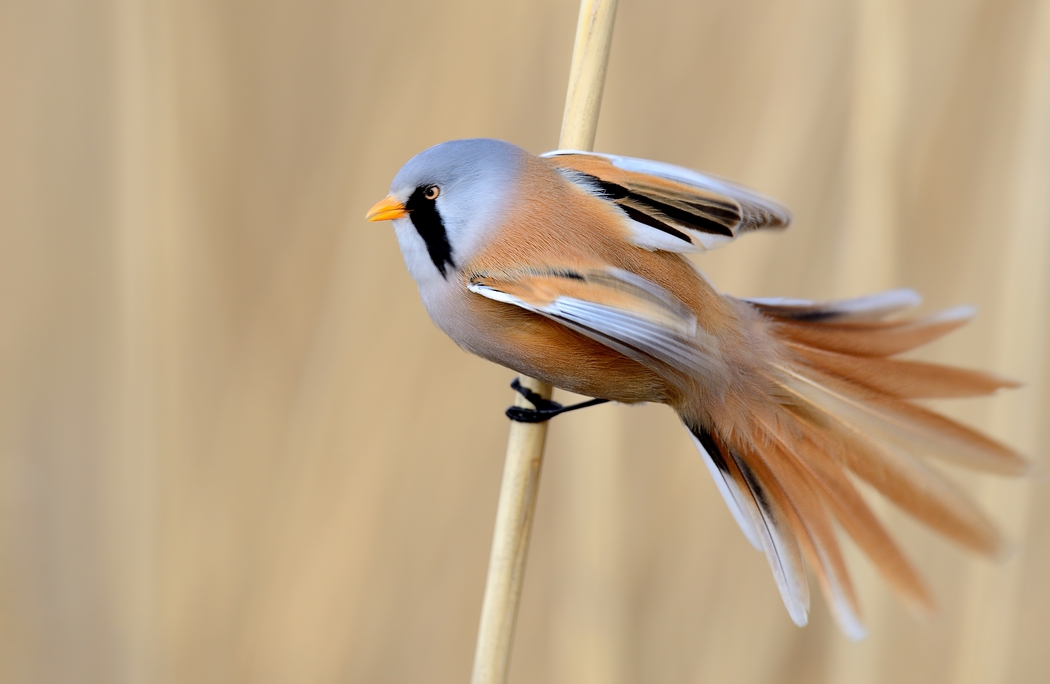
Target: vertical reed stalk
x=521, y=472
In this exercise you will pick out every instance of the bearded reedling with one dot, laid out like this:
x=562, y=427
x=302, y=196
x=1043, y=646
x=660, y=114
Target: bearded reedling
x=568, y=267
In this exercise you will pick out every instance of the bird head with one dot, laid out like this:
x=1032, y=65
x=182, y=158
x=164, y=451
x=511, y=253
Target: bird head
x=447, y=200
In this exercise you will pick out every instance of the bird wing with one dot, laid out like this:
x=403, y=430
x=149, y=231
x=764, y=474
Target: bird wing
x=619, y=309
x=671, y=208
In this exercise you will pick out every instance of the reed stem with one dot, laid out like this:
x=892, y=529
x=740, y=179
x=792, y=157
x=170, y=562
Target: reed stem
x=521, y=471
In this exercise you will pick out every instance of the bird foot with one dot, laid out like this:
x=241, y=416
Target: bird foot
x=545, y=408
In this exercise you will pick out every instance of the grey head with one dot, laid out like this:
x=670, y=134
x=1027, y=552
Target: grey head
x=454, y=195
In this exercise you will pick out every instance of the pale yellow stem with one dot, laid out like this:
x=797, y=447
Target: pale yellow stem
x=590, y=56
x=521, y=472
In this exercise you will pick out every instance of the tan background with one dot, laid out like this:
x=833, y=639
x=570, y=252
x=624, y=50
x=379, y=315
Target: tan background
x=234, y=449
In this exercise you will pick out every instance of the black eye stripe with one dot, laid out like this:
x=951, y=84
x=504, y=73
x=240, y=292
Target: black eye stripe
x=427, y=221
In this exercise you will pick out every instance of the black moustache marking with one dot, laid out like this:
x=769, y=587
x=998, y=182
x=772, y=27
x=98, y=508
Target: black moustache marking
x=431, y=228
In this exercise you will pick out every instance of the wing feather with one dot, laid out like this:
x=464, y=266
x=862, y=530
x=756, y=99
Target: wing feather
x=668, y=207
x=619, y=309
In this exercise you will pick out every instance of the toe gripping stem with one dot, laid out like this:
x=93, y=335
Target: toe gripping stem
x=545, y=408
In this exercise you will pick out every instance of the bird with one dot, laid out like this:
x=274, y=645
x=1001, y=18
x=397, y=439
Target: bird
x=570, y=267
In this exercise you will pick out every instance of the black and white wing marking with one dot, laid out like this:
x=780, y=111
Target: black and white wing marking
x=668, y=207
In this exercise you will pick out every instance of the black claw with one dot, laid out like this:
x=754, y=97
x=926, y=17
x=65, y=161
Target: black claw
x=533, y=398
x=520, y=414
x=545, y=408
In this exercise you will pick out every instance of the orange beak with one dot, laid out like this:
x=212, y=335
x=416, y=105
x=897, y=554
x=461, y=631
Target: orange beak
x=386, y=209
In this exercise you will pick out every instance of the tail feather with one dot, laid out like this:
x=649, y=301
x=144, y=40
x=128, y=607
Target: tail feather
x=761, y=517
x=907, y=482
x=874, y=338
x=813, y=527
x=910, y=425
x=779, y=541
x=839, y=407
x=732, y=490
x=853, y=513
x=903, y=379
x=873, y=307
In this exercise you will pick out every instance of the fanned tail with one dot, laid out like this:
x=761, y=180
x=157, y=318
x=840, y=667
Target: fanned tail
x=843, y=410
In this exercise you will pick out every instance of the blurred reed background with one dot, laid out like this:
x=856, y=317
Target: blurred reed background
x=234, y=449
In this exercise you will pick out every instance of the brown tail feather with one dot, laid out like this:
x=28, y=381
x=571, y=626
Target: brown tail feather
x=873, y=339
x=776, y=533
x=903, y=379
x=950, y=439
x=839, y=407
x=908, y=483
x=913, y=427
x=806, y=513
x=798, y=489
x=847, y=409
x=850, y=509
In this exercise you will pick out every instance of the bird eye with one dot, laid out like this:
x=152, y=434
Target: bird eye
x=431, y=192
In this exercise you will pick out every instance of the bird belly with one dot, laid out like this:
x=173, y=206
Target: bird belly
x=541, y=348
